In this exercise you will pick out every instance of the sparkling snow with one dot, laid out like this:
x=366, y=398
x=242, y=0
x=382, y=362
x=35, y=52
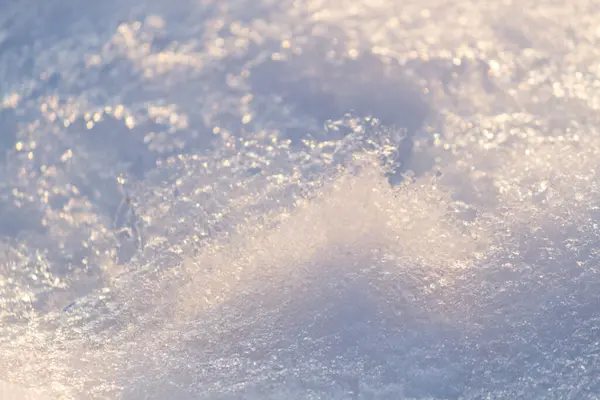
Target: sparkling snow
x=306, y=199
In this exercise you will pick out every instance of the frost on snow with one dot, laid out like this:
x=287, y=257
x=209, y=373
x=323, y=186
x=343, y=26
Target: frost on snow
x=299, y=200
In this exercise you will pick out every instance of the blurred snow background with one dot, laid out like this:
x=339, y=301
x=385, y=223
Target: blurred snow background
x=299, y=199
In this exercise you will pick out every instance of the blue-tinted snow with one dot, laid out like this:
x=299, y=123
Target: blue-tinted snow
x=323, y=199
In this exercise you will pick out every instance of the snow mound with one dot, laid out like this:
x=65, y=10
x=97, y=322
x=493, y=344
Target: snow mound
x=300, y=199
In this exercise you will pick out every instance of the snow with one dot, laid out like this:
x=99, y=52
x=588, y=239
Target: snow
x=299, y=199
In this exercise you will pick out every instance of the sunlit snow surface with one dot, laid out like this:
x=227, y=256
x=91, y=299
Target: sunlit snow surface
x=335, y=199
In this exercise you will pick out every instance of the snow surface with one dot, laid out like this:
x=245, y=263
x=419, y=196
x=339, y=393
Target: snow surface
x=308, y=199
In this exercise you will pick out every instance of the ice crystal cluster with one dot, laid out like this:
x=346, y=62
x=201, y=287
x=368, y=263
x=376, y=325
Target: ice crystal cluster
x=299, y=199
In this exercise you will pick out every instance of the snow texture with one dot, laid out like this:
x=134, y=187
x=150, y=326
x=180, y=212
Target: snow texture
x=299, y=199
